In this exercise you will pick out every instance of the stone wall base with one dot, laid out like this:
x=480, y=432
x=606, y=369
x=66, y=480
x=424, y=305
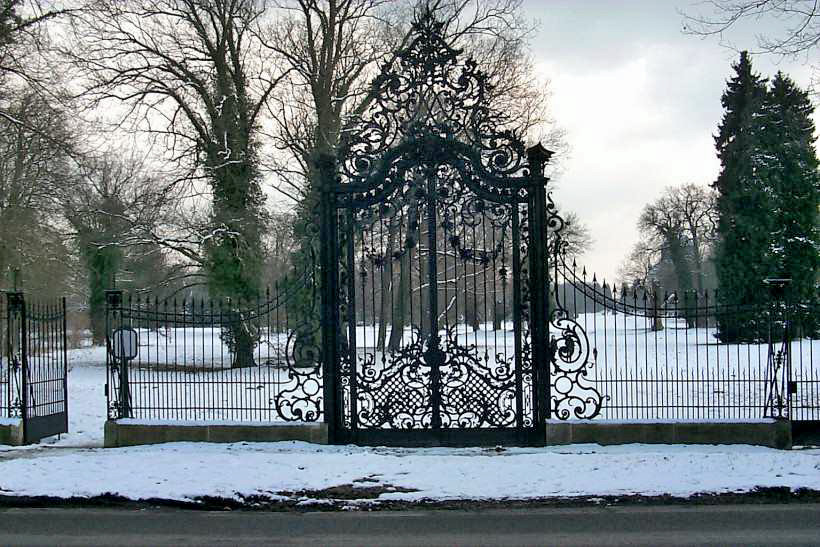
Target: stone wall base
x=119, y=434
x=775, y=433
x=11, y=434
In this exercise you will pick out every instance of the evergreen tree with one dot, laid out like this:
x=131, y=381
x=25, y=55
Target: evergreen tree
x=744, y=221
x=790, y=176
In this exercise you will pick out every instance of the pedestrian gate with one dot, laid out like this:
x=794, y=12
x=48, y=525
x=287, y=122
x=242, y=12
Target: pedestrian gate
x=35, y=360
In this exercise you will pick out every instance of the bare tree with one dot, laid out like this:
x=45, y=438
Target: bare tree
x=681, y=226
x=111, y=205
x=32, y=167
x=574, y=235
x=637, y=267
x=335, y=47
x=800, y=20
x=195, y=74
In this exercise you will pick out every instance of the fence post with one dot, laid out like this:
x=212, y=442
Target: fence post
x=541, y=355
x=7, y=352
x=778, y=363
x=64, y=310
x=329, y=293
x=17, y=330
x=113, y=321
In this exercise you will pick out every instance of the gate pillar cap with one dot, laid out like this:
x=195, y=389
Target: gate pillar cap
x=539, y=155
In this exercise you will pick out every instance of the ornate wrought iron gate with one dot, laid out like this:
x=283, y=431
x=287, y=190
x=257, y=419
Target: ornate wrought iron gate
x=434, y=259
x=36, y=358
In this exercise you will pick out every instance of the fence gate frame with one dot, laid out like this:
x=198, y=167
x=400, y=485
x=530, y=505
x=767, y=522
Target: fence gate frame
x=431, y=114
x=37, y=359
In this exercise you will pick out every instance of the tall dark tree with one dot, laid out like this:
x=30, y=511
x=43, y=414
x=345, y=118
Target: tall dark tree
x=791, y=178
x=744, y=220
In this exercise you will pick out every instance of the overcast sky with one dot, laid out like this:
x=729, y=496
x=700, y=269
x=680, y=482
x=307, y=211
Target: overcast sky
x=639, y=101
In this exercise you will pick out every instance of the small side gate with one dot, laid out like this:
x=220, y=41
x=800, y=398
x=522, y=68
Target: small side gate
x=436, y=229
x=35, y=361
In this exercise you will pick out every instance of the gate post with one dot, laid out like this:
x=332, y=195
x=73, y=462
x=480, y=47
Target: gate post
x=16, y=312
x=778, y=362
x=329, y=289
x=113, y=304
x=64, y=311
x=538, y=156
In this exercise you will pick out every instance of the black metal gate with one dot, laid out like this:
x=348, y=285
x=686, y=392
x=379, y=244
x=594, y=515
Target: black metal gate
x=36, y=362
x=434, y=257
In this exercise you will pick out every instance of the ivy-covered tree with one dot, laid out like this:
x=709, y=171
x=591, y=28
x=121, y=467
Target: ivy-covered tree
x=196, y=74
x=790, y=176
x=744, y=219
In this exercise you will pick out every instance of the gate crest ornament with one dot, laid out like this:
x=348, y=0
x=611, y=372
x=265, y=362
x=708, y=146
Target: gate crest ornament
x=434, y=258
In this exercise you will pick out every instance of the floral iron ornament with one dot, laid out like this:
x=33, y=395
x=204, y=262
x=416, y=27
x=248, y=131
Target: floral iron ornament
x=571, y=355
x=436, y=214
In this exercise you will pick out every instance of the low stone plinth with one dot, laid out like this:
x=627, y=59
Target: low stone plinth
x=772, y=433
x=11, y=432
x=133, y=432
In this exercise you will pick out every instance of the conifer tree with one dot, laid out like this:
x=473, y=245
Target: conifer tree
x=790, y=176
x=744, y=219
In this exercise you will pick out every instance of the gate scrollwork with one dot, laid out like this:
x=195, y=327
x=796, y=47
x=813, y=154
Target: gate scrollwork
x=434, y=263
x=571, y=355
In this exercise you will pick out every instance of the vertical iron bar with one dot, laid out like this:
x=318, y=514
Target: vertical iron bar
x=432, y=295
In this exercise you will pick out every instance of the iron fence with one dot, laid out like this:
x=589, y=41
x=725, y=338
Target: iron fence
x=214, y=360
x=656, y=356
x=660, y=355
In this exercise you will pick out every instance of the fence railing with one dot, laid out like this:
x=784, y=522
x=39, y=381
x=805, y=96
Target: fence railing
x=656, y=355
x=199, y=359
x=691, y=356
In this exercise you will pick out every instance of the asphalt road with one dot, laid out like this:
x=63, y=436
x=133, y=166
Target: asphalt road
x=796, y=524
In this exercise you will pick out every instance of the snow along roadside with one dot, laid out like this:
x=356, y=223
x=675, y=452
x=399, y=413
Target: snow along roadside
x=292, y=470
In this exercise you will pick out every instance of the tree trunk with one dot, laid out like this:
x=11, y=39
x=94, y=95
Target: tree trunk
x=498, y=315
x=387, y=283
x=244, y=343
x=400, y=300
x=657, y=323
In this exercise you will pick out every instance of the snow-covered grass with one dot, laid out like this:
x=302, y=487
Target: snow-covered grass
x=291, y=470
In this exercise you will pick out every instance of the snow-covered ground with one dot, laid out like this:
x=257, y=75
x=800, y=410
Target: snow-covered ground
x=76, y=465
x=294, y=471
